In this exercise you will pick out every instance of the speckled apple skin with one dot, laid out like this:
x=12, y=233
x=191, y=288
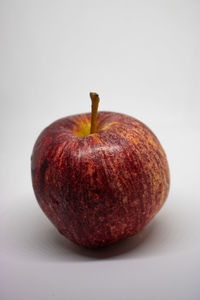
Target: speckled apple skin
x=103, y=187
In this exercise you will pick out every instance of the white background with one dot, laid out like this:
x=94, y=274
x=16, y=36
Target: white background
x=143, y=58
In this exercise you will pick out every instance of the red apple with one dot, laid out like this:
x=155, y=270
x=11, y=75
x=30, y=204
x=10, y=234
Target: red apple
x=100, y=187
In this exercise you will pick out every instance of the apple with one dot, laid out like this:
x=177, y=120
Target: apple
x=99, y=177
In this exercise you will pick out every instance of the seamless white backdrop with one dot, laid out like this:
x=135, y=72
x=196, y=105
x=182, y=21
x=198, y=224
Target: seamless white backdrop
x=143, y=58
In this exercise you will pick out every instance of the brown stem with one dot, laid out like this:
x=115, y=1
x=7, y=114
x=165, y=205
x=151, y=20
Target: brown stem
x=95, y=103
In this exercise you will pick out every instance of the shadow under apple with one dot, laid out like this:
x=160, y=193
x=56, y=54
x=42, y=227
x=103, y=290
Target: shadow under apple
x=32, y=234
x=130, y=247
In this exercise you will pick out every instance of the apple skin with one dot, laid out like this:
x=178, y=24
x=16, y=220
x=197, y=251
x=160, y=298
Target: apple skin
x=102, y=187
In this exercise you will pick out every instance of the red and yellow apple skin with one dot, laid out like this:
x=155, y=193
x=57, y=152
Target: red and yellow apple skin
x=102, y=187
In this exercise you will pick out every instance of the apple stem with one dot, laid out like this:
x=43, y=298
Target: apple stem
x=95, y=103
